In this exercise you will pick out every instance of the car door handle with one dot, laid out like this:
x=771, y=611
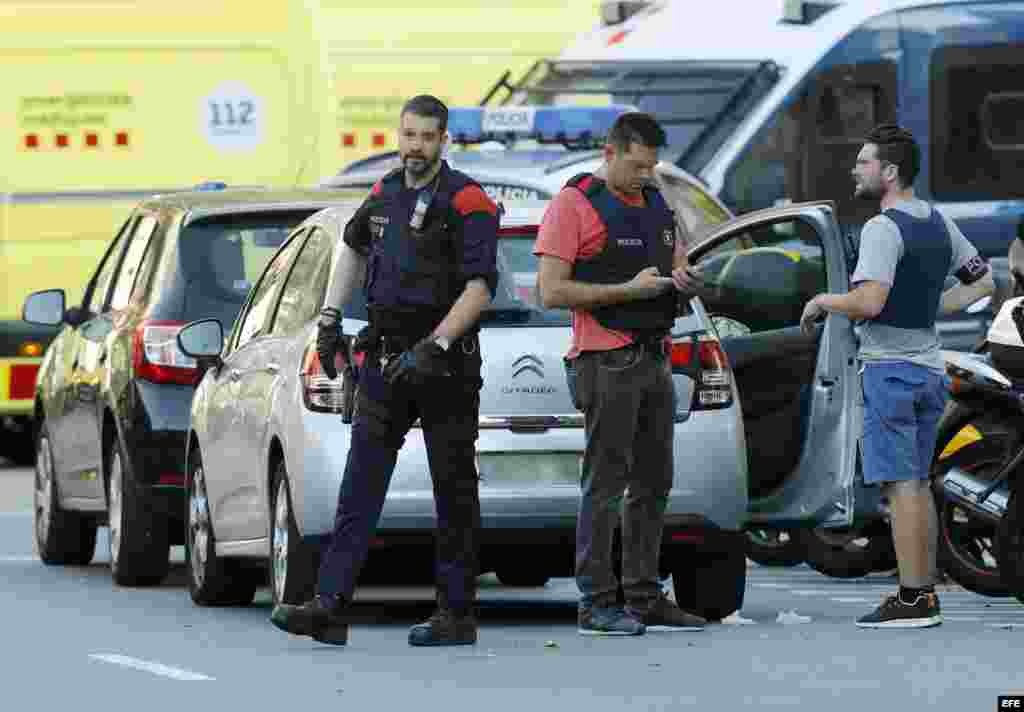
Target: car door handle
x=235, y=375
x=273, y=368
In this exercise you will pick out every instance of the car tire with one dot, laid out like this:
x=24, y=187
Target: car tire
x=63, y=538
x=1010, y=542
x=710, y=579
x=139, y=542
x=293, y=564
x=212, y=581
x=847, y=552
x=773, y=547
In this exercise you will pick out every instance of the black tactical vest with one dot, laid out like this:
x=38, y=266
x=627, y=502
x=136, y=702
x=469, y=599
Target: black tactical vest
x=638, y=237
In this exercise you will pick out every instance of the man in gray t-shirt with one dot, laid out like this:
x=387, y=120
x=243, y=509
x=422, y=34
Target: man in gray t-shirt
x=881, y=248
x=907, y=254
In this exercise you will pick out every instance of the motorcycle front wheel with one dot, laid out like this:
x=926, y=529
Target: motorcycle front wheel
x=968, y=549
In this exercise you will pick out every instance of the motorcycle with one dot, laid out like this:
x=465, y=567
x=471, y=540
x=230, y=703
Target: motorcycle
x=976, y=476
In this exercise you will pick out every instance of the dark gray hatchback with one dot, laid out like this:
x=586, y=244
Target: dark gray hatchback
x=113, y=393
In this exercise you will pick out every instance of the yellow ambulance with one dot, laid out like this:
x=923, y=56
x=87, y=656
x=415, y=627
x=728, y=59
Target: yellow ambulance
x=104, y=103
x=381, y=52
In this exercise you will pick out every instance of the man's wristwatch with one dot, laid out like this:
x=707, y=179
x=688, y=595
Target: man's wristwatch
x=443, y=341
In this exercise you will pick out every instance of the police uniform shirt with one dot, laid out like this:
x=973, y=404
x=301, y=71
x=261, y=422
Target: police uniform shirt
x=474, y=227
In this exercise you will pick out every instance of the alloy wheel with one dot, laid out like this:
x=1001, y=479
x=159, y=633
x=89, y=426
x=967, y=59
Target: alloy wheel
x=43, y=492
x=115, y=503
x=198, y=526
x=282, y=517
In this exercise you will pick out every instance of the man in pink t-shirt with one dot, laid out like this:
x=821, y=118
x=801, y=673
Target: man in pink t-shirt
x=609, y=251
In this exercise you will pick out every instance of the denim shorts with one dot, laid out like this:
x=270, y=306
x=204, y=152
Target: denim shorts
x=903, y=403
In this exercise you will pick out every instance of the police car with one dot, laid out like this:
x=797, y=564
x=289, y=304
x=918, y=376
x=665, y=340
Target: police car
x=528, y=153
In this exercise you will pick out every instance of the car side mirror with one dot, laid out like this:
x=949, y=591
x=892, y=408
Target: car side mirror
x=44, y=308
x=202, y=340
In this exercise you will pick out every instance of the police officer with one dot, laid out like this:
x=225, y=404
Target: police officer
x=426, y=239
x=609, y=251
x=906, y=255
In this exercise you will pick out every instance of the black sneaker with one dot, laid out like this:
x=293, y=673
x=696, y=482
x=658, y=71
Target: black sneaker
x=444, y=628
x=894, y=613
x=608, y=621
x=323, y=621
x=663, y=616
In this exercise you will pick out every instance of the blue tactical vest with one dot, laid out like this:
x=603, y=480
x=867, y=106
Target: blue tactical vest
x=638, y=237
x=412, y=273
x=920, y=274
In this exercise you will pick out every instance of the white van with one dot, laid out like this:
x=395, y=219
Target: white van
x=768, y=101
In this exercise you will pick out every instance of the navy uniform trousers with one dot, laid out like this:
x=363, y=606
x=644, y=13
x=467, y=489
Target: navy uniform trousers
x=448, y=409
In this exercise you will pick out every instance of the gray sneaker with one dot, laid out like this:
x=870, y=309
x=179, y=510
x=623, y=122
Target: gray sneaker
x=663, y=616
x=608, y=621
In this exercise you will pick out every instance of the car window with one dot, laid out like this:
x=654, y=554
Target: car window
x=696, y=211
x=221, y=257
x=764, y=277
x=303, y=292
x=256, y=320
x=96, y=296
x=516, y=300
x=136, y=249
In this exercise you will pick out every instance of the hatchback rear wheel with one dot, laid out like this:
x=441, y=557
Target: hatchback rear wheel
x=293, y=564
x=139, y=545
x=212, y=581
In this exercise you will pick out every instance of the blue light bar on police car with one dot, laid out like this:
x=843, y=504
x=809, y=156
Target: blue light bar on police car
x=542, y=123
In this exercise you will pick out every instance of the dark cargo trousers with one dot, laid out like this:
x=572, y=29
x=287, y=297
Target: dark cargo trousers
x=448, y=409
x=628, y=402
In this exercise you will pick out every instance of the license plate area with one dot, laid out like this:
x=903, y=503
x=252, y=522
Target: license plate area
x=516, y=470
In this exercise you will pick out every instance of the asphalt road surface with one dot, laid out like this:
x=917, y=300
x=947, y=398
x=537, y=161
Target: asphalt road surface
x=73, y=640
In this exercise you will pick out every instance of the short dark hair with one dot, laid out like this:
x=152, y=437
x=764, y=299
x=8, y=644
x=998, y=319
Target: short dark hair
x=896, y=145
x=429, y=106
x=636, y=127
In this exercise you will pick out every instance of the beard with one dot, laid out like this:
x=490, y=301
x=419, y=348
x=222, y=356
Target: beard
x=868, y=192
x=419, y=165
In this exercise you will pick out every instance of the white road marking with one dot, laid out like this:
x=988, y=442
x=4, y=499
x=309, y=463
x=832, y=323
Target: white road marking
x=17, y=559
x=772, y=585
x=810, y=592
x=850, y=599
x=963, y=619
x=151, y=667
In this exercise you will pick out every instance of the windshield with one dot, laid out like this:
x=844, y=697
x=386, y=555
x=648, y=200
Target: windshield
x=698, y=103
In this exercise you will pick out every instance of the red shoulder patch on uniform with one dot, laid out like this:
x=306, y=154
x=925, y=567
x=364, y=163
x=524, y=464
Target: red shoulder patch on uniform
x=585, y=183
x=472, y=199
x=377, y=188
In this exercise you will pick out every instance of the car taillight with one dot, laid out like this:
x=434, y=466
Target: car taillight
x=320, y=393
x=704, y=360
x=156, y=357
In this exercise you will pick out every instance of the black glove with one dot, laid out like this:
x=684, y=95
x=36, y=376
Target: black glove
x=329, y=341
x=424, y=360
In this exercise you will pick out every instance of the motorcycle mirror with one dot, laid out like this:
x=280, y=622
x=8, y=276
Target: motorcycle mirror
x=979, y=305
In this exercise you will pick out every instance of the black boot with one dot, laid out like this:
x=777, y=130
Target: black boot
x=322, y=618
x=445, y=627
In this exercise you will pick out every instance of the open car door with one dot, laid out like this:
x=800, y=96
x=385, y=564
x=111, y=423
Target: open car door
x=799, y=394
